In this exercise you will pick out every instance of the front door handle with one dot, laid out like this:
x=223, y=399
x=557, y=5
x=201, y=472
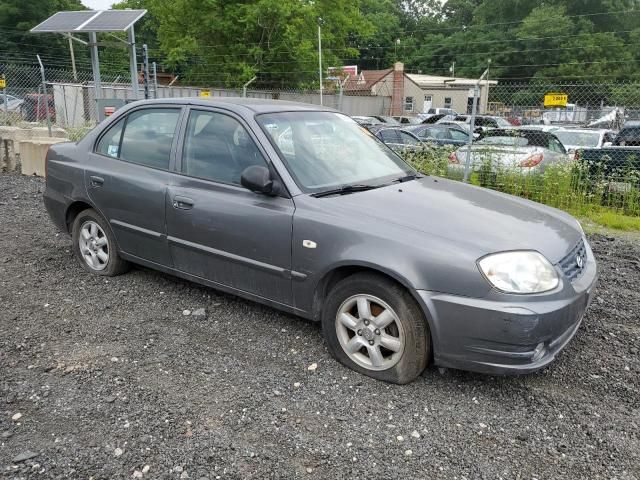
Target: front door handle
x=182, y=203
x=96, y=181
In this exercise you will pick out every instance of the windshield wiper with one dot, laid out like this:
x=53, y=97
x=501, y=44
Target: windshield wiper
x=345, y=189
x=406, y=178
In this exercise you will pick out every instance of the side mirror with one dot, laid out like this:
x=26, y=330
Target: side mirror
x=258, y=179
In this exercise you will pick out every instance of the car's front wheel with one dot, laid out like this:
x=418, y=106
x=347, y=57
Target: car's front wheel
x=95, y=246
x=374, y=326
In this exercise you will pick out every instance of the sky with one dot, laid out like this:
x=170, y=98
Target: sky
x=98, y=4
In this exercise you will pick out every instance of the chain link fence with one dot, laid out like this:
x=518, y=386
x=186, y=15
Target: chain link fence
x=558, y=155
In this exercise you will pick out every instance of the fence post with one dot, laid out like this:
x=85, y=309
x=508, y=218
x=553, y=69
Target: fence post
x=472, y=125
x=46, y=100
x=155, y=80
x=145, y=70
x=4, y=93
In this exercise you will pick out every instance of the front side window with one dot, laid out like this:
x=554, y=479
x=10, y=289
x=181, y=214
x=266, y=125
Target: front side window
x=217, y=147
x=407, y=139
x=325, y=150
x=458, y=135
x=148, y=136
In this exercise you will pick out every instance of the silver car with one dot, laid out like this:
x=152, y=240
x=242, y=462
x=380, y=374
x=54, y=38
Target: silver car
x=525, y=150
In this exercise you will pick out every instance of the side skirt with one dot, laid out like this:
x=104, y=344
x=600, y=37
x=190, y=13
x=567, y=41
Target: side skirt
x=217, y=286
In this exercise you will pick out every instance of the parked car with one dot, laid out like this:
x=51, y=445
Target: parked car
x=367, y=121
x=443, y=111
x=407, y=120
x=440, y=134
x=398, y=139
x=526, y=150
x=574, y=138
x=614, y=162
x=14, y=103
x=386, y=120
x=485, y=121
x=35, y=105
x=401, y=269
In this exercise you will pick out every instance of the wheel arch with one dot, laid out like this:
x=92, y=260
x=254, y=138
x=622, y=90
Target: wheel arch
x=73, y=210
x=338, y=272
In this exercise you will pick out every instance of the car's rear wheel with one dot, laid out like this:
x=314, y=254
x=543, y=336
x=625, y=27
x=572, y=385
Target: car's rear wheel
x=374, y=326
x=94, y=245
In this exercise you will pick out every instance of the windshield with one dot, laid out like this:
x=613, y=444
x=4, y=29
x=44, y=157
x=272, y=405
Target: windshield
x=579, y=139
x=325, y=150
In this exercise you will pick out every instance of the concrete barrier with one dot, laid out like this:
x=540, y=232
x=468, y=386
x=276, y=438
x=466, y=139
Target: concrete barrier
x=33, y=153
x=11, y=136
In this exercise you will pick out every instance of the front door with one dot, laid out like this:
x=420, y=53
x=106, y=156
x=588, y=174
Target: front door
x=127, y=176
x=219, y=230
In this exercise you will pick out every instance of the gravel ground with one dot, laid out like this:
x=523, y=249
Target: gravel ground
x=107, y=378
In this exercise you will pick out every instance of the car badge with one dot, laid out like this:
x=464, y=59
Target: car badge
x=579, y=261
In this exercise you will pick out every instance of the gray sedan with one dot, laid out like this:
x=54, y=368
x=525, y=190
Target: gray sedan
x=300, y=208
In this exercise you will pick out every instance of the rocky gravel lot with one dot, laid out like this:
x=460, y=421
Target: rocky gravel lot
x=109, y=378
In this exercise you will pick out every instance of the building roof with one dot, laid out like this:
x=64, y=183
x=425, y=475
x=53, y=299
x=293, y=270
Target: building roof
x=435, y=80
x=367, y=79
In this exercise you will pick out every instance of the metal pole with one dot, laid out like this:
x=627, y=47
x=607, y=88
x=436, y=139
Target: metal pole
x=341, y=96
x=133, y=62
x=73, y=60
x=472, y=125
x=244, y=87
x=155, y=80
x=145, y=70
x=95, y=64
x=46, y=100
x=4, y=93
x=320, y=56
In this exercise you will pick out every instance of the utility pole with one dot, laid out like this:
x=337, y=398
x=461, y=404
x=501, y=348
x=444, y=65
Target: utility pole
x=320, y=55
x=396, y=54
x=452, y=69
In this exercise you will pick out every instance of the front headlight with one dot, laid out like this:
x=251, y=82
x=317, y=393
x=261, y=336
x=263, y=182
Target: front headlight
x=519, y=272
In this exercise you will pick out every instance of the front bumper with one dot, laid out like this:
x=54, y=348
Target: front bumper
x=507, y=334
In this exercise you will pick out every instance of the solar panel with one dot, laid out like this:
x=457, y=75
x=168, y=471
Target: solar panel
x=63, y=21
x=113, y=21
x=90, y=21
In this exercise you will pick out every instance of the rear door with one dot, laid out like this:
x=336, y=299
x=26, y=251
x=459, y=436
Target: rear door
x=219, y=230
x=127, y=176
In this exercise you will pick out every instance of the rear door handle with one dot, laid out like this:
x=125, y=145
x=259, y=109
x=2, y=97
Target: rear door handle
x=182, y=203
x=96, y=181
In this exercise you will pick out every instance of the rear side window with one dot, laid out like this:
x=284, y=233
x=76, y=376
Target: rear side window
x=148, y=136
x=109, y=144
x=389, y=136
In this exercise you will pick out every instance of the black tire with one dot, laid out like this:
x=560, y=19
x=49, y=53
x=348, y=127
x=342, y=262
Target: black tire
x=417, y=346
x=115, y=265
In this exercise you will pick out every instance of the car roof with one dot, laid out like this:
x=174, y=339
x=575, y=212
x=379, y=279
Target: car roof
x=239, y=104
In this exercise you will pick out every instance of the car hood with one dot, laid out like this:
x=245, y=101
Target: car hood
x=484, y=220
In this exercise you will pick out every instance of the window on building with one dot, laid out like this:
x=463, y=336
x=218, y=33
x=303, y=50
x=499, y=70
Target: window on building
x=447, y=102
x=408, y=104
